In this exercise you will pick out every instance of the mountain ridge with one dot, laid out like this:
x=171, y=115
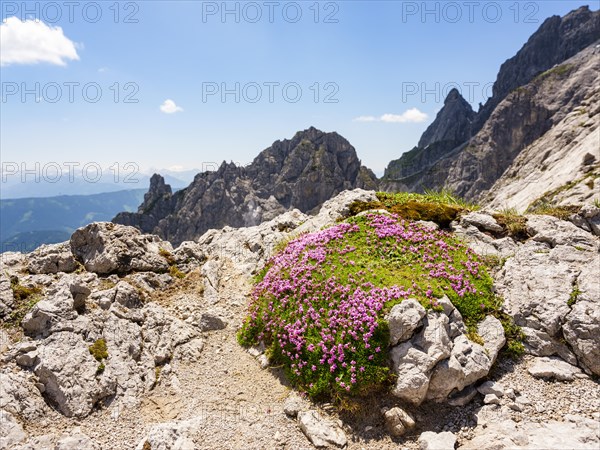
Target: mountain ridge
x=302, y=172
x=518, y=121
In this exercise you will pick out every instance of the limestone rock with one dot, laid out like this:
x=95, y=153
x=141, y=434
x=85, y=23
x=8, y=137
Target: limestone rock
x=398, y=421
x=550, y=288
x=491, y=399
x=437, y=441
x=52, y=258
x=554, y=231
x=7, y=300
x=319, y=431
x=553, y=368
x=20, y=397
x=483, y=222
x=414, y=360
x=403, y=319
x=11, y=431
x=579, y=433
x=59, y=306
x=468, y=363
x=105, y=248
x=294, y=404
x=582, y=325
x=491, y=387
x=69, y=374
x=491, y=331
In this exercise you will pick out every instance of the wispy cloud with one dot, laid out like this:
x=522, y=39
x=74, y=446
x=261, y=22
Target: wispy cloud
x=34, y=42
x=169, y=107
x=366, y=119
x=412, y=115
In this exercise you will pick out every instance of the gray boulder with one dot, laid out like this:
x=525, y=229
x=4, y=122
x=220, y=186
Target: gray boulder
x=468, y=363
x=437, y=441
x=403, y=319
x=319, y=431
x=106, y=248
x=398, y=422
x=52, y=258
x=482, y=221
x=70, y=375
x=553, y=368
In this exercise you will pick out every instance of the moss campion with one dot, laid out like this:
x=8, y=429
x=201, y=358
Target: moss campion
x=319, y=305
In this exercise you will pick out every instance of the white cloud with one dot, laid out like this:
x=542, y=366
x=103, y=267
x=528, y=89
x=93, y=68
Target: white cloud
x=412, y=115
x=33, y=42
x=169, y=107
x=366, y=119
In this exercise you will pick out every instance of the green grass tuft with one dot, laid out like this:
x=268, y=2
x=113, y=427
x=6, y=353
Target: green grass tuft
x=441, y=207
x=25, y=299
x=175, y=272
x=514, y=223
x=575, y=292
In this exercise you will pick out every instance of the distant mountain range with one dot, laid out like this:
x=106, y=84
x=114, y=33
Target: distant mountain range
x=29, y=222
x=17, y=185
x=301, y=172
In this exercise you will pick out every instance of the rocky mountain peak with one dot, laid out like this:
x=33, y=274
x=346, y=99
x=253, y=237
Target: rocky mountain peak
x=158, y=190
x=535, y=91
x=302, y=172
x=452, y=123
x=557, y=39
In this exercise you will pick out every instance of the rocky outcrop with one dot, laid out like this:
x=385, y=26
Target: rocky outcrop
x=451, y=127
x=503, y=433
x=302, y=173
x=105, y=248
x=543, y=285
x=557, y=39
x=52, y=258
x=533, y=134
x=90, y=337
x=438, y=360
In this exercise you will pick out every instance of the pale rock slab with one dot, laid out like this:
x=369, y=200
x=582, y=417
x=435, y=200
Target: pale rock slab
x=319, y=431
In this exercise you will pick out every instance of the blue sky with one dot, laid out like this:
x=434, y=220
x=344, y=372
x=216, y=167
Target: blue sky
x=367, y=59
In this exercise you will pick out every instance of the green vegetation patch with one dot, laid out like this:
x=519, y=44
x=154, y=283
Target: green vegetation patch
x=25, y=298
x=175, y=272
x=575, y=292
x=557, y=72
x=319, y=305
x=167, y=255
x=514, y=223
x=561, y=212
x=439, y=207
x=98, y=350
